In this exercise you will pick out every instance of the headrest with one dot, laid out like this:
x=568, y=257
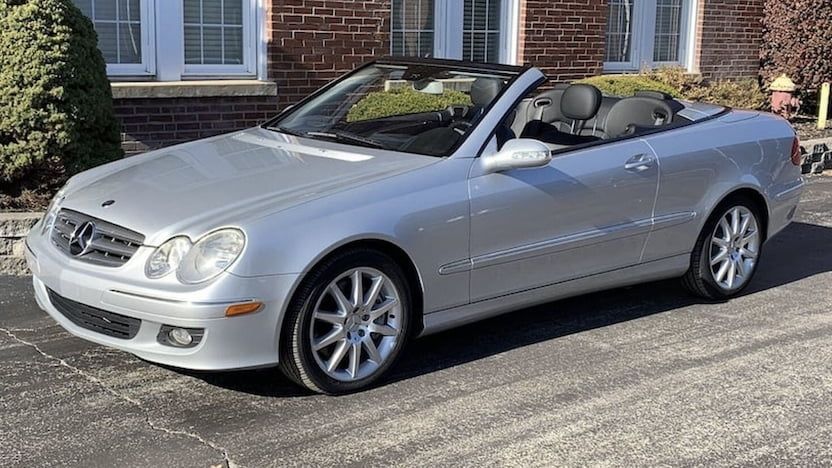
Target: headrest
x=484, y=90
x=580, y=102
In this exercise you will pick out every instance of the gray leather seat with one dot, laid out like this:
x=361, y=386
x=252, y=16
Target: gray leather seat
x=633, y=114
x=578, y=104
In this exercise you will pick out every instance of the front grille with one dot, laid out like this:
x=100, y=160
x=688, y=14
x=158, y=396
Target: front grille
x=102, y=243
x=97, y=320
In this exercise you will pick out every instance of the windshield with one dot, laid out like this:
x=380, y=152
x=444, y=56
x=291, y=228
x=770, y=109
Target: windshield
x=417, y=108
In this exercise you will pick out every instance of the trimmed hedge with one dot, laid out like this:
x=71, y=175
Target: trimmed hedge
x=627, y=85
x=741, y=94
x=404, y=100
x=56, y=111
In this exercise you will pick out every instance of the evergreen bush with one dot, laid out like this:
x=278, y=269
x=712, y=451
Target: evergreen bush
x=56, y=111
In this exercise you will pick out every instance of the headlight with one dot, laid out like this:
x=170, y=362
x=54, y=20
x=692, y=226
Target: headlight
x=211, y=255
x=167, y=257
x=52, y=211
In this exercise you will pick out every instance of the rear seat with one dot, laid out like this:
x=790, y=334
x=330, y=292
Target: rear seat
x=561, y=115
x=647, y=109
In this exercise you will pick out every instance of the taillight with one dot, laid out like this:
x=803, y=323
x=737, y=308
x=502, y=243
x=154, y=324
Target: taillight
x=796, y=151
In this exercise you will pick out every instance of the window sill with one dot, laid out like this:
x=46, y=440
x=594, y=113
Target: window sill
x=192, y=89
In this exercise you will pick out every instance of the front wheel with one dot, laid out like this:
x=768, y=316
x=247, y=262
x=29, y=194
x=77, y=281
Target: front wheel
x=347, y=324
x=727, y=252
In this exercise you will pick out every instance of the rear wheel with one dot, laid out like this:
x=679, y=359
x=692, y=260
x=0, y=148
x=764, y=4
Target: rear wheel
x=347, y=324
x=727, y=252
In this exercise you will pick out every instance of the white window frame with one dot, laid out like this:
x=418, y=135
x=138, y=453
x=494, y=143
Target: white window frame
x=163, y=23
x=644, y=33
x=449, y=17
x=249, y=65
x=147, y=67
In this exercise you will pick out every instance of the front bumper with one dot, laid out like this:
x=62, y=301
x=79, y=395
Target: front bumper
x=243, y=341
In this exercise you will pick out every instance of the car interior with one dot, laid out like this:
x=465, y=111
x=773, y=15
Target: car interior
x=563, y=116
x=569, y=115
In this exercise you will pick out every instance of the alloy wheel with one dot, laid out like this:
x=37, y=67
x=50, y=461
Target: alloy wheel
x=356, y=324
x=735, y=246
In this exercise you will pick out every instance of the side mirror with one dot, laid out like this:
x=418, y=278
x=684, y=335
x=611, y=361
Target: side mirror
x=519, y=153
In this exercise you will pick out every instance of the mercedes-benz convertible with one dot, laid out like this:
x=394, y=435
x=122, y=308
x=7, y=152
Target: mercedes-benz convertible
x=405, y=198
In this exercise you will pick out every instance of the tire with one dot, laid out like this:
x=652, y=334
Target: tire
x=322, y=326
x=702, y=278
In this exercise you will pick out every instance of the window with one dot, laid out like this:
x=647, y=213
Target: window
x=481, y=31
x=647, y=33
x=668, y=30
x=475, y=30
x=200, y=38
x=123, y=36
x=619, y=31
x=217, y=36
x=413, y=32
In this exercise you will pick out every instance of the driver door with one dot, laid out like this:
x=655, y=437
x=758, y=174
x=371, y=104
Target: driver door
x=588, y=211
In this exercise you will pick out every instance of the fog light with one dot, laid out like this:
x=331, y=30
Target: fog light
x=180, y=336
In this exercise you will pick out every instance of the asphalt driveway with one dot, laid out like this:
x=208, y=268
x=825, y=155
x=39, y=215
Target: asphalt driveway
x=637, y=376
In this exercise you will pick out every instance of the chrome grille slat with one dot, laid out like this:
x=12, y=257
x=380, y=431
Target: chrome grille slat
x=111, y=246
x=116, y=247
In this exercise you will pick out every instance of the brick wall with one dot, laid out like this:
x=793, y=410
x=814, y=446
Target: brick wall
x=153, y=123
x=729, y=34
x=315, y=41
x=564, y=37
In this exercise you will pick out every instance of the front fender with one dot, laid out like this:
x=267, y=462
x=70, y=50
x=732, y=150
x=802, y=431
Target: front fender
x=424, y=213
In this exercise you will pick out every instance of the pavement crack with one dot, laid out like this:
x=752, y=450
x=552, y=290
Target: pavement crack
x=227, y=461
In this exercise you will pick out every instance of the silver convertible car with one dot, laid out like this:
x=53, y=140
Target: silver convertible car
x=405, y=198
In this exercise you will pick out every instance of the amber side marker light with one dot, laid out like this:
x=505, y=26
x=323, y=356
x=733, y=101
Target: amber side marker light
x=244, y=308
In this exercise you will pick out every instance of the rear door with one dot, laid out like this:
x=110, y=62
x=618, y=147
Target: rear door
x=587, y=212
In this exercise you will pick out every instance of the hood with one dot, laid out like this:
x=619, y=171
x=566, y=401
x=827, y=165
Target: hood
x=221, y=181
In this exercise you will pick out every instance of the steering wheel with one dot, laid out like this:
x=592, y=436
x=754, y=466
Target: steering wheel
x=457, y=111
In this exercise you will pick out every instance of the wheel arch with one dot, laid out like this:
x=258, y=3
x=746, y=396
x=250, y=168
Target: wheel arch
x=753, y=194
x=386, y=246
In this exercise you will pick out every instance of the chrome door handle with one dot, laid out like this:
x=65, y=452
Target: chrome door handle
x=639, y=162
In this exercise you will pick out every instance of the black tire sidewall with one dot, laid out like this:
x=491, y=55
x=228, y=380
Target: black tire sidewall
x=318, y=281
x=714, y=289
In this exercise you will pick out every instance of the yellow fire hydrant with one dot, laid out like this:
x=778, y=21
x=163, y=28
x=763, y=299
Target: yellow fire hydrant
x=783, y=100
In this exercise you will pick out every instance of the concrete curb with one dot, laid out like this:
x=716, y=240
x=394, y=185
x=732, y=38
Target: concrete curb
x=14, y=227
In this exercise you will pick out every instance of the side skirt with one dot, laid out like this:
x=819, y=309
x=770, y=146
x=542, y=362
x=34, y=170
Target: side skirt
x=650, y=271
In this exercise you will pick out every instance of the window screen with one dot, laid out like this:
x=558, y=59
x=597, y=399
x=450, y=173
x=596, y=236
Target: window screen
x=619, y=33
x=119, y=27
x=412, y=28
x=668, y=30
x=213, y=32
x=481, y=31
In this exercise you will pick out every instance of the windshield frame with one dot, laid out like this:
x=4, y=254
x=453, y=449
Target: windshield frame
x=511, y=72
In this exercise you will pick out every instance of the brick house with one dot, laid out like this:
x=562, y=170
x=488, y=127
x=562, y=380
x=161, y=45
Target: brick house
x=185, y=69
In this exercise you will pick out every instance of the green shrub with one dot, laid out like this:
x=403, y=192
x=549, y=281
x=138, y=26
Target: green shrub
x=741, y=94
x=627, y=85
x=677, y=78
x=405, y=100
x=56, y=112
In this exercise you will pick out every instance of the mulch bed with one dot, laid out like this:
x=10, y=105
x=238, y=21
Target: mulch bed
x=807, y=129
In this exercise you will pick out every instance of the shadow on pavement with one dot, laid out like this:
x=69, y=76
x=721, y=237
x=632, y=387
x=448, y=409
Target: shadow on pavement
x=800, y=251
